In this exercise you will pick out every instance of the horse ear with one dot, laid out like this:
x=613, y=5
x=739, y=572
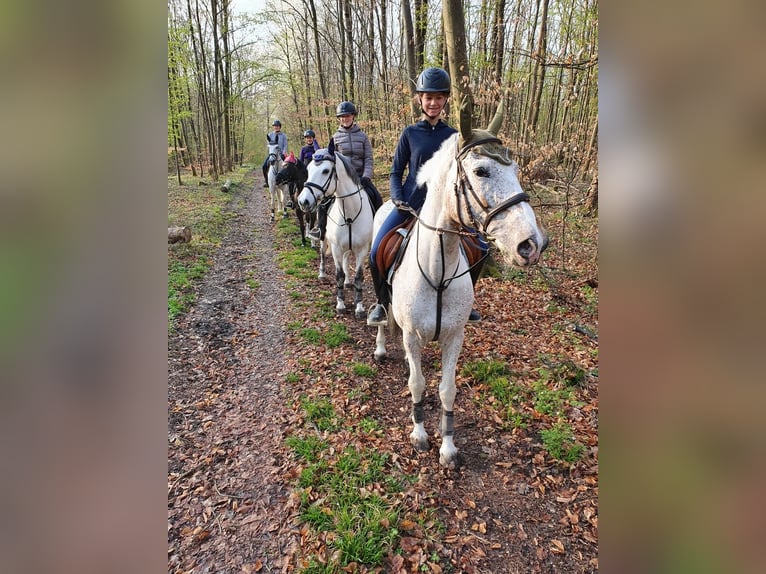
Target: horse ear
x=497, y=121
x=331, y=147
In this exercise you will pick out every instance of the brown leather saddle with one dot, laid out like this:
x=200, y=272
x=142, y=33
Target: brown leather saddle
x=394, y=243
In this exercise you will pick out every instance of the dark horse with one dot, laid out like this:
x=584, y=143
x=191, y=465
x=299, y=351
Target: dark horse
x=295, y=174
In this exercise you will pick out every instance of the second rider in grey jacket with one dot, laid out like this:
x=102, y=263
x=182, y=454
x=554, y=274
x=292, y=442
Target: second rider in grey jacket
x=353, y=143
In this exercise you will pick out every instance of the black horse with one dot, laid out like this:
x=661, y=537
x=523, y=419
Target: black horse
x=295, y=174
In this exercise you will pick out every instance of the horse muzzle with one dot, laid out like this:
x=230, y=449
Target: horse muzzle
x=529, y=250
x=306, y=205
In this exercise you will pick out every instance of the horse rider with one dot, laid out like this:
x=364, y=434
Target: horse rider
x=353, y=143
x=307, y=151
x=417, y=144
x=275, y=137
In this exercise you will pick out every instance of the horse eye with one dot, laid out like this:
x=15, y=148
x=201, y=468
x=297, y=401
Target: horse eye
x=481, y=172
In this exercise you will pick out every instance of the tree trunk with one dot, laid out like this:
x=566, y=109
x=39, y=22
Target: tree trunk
x=538, y=74
x=454, y=35
x=179, y=235
x=421, y=29
x=349, y=44
x=226, y=86
x=591, y=202
x=318, y=56
x=498, y=40
x=409, y=34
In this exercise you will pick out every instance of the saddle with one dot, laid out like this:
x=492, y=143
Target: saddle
x=394, y=244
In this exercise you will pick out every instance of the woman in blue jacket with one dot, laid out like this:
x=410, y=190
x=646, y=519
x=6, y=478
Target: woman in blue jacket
x=417, y=144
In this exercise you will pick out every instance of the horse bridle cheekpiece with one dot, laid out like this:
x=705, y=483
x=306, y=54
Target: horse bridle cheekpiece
x=318, y=157
x=462, y=184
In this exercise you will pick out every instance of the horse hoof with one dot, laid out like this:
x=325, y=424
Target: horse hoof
x=420, y=445
x=450, y=462
x=380, y=356
x=322, y=275
x=360, y=314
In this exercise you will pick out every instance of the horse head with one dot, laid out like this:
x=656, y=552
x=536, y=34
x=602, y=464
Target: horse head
x=320, y=178
x=274, y=154
x=488, y=195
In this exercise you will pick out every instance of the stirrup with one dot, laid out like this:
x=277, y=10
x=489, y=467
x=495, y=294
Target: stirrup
x=474, y=316
x=379, y=322
x=315, y=233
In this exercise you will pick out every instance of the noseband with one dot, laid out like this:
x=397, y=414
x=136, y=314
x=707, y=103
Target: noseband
x=463, y=186
x=322, y=189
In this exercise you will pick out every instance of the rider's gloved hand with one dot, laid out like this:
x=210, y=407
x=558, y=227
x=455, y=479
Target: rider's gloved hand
x=403, y=205
x=366, y=181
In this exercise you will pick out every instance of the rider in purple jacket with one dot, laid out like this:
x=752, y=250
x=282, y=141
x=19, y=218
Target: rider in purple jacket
x=417, y=145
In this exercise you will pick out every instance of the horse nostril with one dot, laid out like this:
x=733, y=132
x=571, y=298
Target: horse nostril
x=526, y=248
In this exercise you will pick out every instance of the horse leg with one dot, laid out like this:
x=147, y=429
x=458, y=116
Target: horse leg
x=380, y=343
x=322, y=259
x=450, y=352
x=340, y=278
x=347, y=270
x=417, y=384
x=302, y=226
x=359, y=311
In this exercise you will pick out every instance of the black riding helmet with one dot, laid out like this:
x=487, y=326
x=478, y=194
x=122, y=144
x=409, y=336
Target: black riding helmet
x=309, y=134
x=433, y=80
x=345, y=108
x=276, y=123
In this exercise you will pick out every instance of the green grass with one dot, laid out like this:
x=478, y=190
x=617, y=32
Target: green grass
x=182, y=276
x=559, y=441
x=484, y=371
x=298, y=262
x=307, y=448
x=335, y=335
x=344, y=498
x=505, y=395
x=369, y=425
x=320, y=412
x=365, y=370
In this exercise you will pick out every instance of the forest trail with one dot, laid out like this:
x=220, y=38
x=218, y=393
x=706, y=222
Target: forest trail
x=509, y=508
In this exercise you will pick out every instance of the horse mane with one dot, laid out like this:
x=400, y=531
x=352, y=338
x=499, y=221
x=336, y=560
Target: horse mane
x=349, y=168
x=435, y=171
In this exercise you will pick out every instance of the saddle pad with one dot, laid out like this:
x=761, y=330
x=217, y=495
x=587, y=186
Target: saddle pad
x=389, y=250
x=389, y=246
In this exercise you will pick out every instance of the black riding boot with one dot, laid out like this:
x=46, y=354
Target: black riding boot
x=265, y=176
x=375, y=198
x=378, y=315
x=319, y=231
x=476, y=270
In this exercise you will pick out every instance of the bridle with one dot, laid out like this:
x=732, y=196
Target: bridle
x=463, y=186
x=320, y=194
x=478, y=221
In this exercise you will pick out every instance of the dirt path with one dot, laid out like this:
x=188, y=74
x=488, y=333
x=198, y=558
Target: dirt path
x=225, y=363
x=508, y=509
